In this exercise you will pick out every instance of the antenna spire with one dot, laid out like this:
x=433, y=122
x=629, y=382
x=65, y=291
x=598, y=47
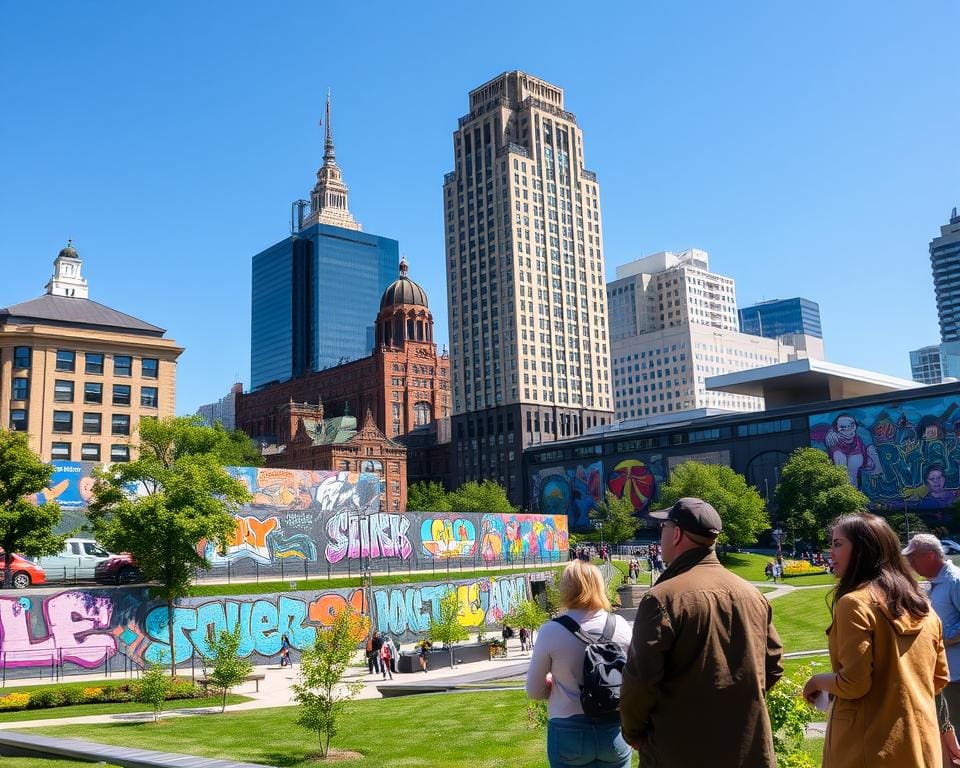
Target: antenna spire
x=328, y=153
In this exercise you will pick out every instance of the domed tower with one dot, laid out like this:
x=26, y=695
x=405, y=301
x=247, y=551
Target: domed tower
x=404, y=313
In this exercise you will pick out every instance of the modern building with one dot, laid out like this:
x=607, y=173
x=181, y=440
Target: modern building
x=925, y=365
x=525, y=280
x=782, y=317
x=945, y=260
x=314, y=293
x=223, y=410
x=673, y=324
x=78, y=376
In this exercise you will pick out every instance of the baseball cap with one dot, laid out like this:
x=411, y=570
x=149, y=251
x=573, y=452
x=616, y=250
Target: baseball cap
x=923, y=541
x=694, y=516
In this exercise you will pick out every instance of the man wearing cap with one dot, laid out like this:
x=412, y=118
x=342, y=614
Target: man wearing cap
x=704, y=652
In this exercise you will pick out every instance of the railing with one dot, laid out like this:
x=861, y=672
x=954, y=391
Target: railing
x=62, y=661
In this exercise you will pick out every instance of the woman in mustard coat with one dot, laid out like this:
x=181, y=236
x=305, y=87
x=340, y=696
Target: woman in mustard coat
x=886, y=655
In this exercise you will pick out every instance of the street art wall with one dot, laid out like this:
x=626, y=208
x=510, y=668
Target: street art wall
x=901, y=456
x=332, y=518
x=107, y=628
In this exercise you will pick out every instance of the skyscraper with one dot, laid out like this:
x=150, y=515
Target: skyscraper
x=925, y=365
x=525, y=280
x=945, y=260
x=782, y=317
x=315, y=293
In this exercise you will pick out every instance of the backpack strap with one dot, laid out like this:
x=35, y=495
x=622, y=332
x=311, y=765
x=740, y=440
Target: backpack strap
x=609, y=628
x=583, y=637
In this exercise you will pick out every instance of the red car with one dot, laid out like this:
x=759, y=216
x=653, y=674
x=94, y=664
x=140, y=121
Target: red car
x=25, y=572
x=117, y=569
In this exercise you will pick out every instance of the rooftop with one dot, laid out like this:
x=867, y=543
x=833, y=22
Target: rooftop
x=74, y=311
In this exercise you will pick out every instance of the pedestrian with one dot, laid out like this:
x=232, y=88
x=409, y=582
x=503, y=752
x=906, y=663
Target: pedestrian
x=556, y=674
x=768, y=569
x=388, y=643
x=524, y=637
x=777, y=572
x=386, y=660
x=886, y=655
x=425, y=647
x=704, y=643
x=285, y=651
x=375, y=648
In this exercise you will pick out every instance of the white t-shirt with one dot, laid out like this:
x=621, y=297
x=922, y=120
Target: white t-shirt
x=560, y=652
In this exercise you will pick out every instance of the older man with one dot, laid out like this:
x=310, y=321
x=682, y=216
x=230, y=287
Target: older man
x=704, y=652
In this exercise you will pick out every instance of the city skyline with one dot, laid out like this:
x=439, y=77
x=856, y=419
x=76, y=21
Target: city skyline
x=776, y=140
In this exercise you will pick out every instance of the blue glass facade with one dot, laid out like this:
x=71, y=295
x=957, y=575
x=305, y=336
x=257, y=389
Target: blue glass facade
x=315, y=297
x=773, y=319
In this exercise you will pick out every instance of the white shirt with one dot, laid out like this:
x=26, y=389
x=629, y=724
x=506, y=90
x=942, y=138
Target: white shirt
x=560, y=652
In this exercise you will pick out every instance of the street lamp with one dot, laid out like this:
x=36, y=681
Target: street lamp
x=778, y=538
x=599, y=526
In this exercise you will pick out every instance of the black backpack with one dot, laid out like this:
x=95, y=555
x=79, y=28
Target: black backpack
x=603, y=663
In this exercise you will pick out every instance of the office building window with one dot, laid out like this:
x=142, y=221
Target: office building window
x=90, y=452
x=63, y=421
x=21, y=357
x=60, y=451
x=21, y=388
x=93, y=393
x=18, y=419
x=121, y=394
x=120, y=424
x=66, y=360
x=119, y=453
x=92, y=423
x=63, y=391
x=148, y=397
x=93, y=363
x=122, y=365
x=149, y=368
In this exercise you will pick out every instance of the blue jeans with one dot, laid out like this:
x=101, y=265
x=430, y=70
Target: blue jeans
x=586, y=742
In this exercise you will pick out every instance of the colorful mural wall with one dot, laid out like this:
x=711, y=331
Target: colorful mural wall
x=88, y=629
x=905, y=455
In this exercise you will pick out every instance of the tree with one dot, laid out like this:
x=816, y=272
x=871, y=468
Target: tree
x=25, y=527
x=153, y=689
x=527, y=614
x=185, y=499
x=740, y=507
x=320, y=692
x=617, y=518
x=487, y=496
x=907, y=522
x=812, y=492
x=427, y=497
x=228, y=668
x=447, y=628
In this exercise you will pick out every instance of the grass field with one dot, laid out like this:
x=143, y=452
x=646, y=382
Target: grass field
x=750, y=567
x=802, y=618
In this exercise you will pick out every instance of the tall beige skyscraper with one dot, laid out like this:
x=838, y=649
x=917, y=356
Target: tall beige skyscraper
x=525, y=280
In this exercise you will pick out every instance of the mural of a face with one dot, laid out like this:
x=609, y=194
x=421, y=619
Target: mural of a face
x=935, y=480
x=86, y=489
x=847, y=427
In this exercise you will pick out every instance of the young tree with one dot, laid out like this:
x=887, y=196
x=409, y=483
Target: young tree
x=447, y=628
x=153, y=689
x=487, y=496
x=740, y=507
x=321, y=694
x=427, y=497
x=186, y=497
x=228, y=668
x=25, y=526
x=527, y=614
x=617, y=518
x=813, y=491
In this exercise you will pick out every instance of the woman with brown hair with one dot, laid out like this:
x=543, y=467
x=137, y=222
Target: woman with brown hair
x=886, y=655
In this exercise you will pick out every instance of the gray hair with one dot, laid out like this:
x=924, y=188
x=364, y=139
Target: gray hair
x=926, y=542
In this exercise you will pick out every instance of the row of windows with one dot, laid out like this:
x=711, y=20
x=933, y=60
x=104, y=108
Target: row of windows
x=89, y=452
x=93, y=362
x=63, y=392
x=92, y=423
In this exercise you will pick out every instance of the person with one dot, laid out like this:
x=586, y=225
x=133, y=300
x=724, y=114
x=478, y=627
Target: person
x=425, y=647
x=285, y=651
x=556, y=673
x=925, y=555
x=703, y=654
x=524, y=637
x=386, y=660
x=777, y=572
x=388, y=643
x=373, y=653
x=886, y=654
x=948, y=734
x=768, y=570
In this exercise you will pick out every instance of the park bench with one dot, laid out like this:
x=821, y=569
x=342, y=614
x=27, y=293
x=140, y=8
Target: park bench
x=204, y=682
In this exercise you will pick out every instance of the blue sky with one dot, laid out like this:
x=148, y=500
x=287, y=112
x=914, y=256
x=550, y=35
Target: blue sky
x=811, y=148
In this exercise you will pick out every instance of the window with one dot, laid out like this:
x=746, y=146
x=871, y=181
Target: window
x=63, y=421
x=93, y=363
x=21, y=389
x=18, y=419
x=122, y=365
x=121, y=394
x=119, y=453
x=120, y=424
x=21, y=357
x=92, y=393
x=421, y=414
x=148, y=397
x=91, y=423
x=63, y=391
x=149, y=367
x=60, y=451
x=90, y=452
x=66, y=360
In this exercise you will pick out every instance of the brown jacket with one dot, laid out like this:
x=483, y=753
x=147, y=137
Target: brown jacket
x=886, y=673
x=703, y=654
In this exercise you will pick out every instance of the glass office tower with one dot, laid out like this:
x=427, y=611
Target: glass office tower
x=781, y=317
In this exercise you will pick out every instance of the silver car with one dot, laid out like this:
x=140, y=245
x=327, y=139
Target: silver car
x=76, y=561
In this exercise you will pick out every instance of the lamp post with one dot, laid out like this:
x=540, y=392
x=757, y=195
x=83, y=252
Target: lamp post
x=778, y=538
x=599, y=526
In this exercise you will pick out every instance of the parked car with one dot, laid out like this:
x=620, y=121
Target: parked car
x=118, y=569
x=950, y=546
x=77, y=560
x=25, y=572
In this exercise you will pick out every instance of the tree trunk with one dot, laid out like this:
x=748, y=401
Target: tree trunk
x=7, y=569
x=173, y=655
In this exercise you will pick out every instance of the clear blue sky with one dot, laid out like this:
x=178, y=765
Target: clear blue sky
x=811, y=148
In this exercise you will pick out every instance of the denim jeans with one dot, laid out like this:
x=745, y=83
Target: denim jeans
x=585, y=741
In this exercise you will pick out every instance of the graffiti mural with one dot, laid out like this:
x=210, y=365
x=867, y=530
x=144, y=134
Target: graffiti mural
x=632, y=479
x=901, y=456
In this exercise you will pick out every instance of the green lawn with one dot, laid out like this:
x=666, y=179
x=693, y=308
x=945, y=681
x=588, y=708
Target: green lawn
x=821, y=663
x=802, y=618
x=750, y=567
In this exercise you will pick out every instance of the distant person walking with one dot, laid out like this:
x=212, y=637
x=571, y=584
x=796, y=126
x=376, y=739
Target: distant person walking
x=285, y=651
x=386, y=660
x=524, y=638
x=425, y=647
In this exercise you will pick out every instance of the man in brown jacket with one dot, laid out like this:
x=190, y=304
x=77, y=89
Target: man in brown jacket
x=704, y=652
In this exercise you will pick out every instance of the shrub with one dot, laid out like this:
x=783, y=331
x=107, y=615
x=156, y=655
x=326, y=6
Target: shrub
x=45, y=697
x=14, y=701
x=92, y=694
x=789, y=717
x=180, y=688
x=800, y=568
x=71, y=696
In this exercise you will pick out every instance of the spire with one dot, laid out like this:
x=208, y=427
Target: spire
x=67, y=280
x=329, y=156
x=328, y=200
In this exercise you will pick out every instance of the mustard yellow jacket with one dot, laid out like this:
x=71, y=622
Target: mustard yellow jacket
x=886, y=672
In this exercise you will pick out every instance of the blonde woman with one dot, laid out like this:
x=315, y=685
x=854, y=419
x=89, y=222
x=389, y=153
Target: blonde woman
x=556, y=673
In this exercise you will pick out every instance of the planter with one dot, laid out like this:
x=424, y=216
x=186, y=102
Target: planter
x=439, y=658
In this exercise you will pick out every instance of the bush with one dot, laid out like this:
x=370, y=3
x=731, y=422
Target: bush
x=44, y=698
x=67, y=695
x=92, y=694
x=71, y=696
x=801, y=568
x=14, y=701
x=789, y=717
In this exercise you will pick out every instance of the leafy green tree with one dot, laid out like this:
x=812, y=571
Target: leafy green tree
x=813, y=491
x=427, y=497
x=320, y=693
x=617, y=518
x=25, y=527
x=447, y=628
x=527, y=614
x=487, y=496
x=911, y=522
x=228, y=668
x=740, y=507
x=153, y=689
x=186, y=500
x=789, y=717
